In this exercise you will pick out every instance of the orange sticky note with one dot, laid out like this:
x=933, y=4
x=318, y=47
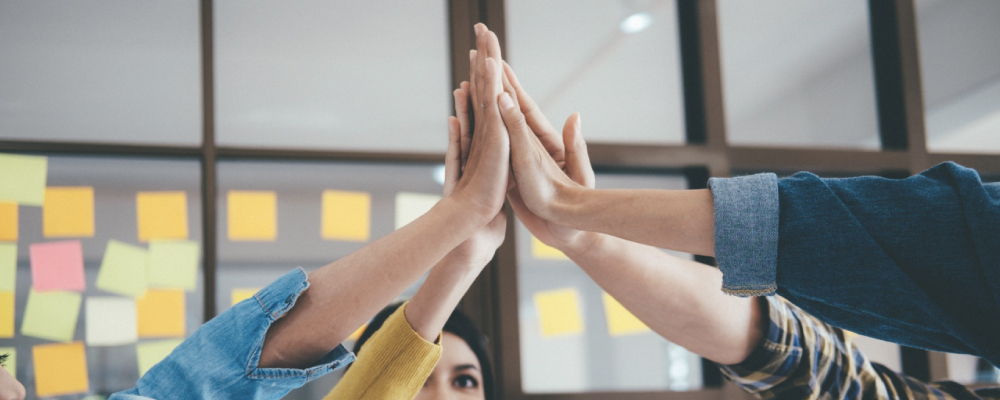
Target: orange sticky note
x=68, y=212
x=6, y=314
x=346, y=215
x=559, y=312
x=357, y=334
x=60, y=369
x=162, y=215
x=161, y=313
x=621, y=322
x=542, y=251
x=8, y=221
x=241, y=294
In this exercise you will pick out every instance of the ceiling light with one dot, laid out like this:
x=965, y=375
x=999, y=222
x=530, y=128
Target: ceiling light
x=636, y=22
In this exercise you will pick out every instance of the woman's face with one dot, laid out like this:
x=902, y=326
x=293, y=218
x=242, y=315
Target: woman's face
x=457, y=375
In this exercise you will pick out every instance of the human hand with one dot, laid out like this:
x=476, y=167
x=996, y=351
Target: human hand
x=484, y=153
x=479, y=248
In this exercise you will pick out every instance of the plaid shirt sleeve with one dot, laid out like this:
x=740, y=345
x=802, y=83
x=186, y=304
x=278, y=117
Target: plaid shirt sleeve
x=804, y=358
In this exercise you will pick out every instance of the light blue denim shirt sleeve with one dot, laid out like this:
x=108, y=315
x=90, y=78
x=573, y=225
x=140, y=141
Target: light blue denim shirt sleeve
x=746, y=233
x=220, y=360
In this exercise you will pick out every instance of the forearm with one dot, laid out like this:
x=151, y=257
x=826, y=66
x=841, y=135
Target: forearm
x=678, y=299
x=440, y=293
x=347, y=292
x=680, y=220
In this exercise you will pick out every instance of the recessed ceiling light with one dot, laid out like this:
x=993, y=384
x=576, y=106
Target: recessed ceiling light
x=636, y=22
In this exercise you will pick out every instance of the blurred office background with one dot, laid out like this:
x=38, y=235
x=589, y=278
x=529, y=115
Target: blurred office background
x=300, y=97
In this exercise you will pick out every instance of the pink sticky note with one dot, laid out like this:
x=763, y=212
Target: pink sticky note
x=57, y=266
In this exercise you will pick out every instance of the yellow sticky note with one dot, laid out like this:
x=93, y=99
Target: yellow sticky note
x=68, y=212
x=8, y=266
x=253, y=215
x=542, y=251
x=123, y=269
x=410, y=206
x=559, y=312
x=161, y=313
x=621, y=322
x=173, y=264
x=6, y=314
x=150, y=353
x=241, y=294
x=11, y=364
x=8, y=221
x=51, y=315
x=22, y=178
x=346, y=215
x=60, y=369
x=162, y=215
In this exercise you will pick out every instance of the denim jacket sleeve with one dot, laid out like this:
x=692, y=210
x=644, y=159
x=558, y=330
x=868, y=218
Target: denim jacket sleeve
x=914, y=261
x=220, y=359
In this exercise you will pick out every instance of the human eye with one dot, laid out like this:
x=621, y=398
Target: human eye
x=465, y=382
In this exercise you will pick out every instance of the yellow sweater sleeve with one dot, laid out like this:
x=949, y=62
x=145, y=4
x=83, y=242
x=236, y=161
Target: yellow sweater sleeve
x=395, y=363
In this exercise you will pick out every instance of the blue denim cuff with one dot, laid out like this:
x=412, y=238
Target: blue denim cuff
x=277, y=299
x=746, y=233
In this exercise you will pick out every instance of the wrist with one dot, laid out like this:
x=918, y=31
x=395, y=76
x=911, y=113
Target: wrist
x=585, y=245
x=568, y=205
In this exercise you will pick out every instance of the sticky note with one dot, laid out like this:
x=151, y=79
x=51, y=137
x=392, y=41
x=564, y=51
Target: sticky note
x=162, y=215
x=161, y=313
x=60, y=369
x=241, y=294
x=123, y=270
x=542, y=251
x=559, y=312
x=6, y=314
x=8, y=266
x=57, y=266
x=173, y=264
x=150, y=353
x=621, y=322
x=111, y=321
x=22, y=179
x=68, y=212
x=8, y=221
x=253, y=216
x=410, y=206
x=51, y=315
x=11, y=364
x=346, y=215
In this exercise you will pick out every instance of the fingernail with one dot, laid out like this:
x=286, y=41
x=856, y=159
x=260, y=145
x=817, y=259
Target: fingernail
x=472, y=55
x=478, y=28
x=505, y=101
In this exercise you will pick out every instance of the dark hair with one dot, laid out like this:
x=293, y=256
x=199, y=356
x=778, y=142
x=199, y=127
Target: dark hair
x=459, y=325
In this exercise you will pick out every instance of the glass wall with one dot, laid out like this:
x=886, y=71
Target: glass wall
x=100, y=71
x=960, y=67
x=798, y=73
x=616, y=62
x=344, y=75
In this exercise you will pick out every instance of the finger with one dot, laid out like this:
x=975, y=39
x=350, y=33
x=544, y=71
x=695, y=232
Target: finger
x=462, y=114
x=521, y=137
x=493, y=45
x=536, y=120
x=473, y=77
x=577, y=159
x=481, y=55
x=452, y=158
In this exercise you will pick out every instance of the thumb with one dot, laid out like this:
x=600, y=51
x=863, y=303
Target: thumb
x=577, y=159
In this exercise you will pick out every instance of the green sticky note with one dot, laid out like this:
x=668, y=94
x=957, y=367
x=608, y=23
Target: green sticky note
x=22, y=179
x=51, y=315
x=123, y=270
x=150, y=353
x=173, y=264
x=8, y=266
x=11, y=364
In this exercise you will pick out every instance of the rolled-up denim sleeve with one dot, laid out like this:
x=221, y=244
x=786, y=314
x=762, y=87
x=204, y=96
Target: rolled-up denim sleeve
x=746, y=233
x=220, y=360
